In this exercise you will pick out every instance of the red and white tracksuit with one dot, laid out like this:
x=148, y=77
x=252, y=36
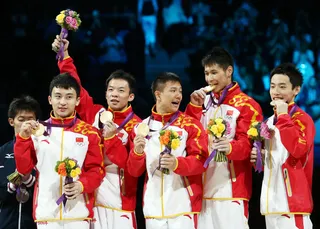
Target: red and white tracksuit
x=227, y=185
x=116, y=197
x=286, y=199
x=174, y=200
x=80, y=141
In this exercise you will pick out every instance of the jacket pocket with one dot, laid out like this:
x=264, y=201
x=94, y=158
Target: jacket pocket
x=188, y=186
x=287, y=182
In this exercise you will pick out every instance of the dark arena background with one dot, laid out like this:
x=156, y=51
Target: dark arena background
x=115, y=34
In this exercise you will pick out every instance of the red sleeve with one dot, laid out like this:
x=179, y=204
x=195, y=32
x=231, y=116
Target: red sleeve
x=194, y=111
x=136, y=163
x=86, y=109
x=25, y=155
x=116, y=151
x=93, y=170
x=240, y=146
x=196, y=147
x=297, y=134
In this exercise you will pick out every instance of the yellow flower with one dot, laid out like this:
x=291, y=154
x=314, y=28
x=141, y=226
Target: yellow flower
x=73, y=173
x=175, y=134
x=72, y=163
x=221, y=127
x=214, y=129
x=78, y=170
x=219, y=121
x=62, y=12
x=253, y=132
x=219, y=135
x=175, y=143
x=60, y=19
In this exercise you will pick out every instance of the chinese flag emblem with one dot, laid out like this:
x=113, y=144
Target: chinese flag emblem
x=79, y=139
x=229, y=112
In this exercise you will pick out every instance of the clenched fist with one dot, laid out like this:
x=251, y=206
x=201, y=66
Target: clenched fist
x=198, y=96
x=27, y=127
x=139, y=144
x=56, y=45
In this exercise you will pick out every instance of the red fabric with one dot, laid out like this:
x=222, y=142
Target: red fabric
x=241, y=146
x=297, y=135
x=87, y=110
x=190, y=166
x=299, y=221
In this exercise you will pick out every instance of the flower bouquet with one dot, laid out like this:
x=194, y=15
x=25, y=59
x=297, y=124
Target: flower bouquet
x=16, y=179
x=68, y=20
x=69, y=169
x=258, y=132
x=170, y=139
x=217, y=128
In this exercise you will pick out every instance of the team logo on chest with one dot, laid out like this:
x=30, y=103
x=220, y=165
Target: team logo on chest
x=79, y=141
x=229, y=114
x=9, y=155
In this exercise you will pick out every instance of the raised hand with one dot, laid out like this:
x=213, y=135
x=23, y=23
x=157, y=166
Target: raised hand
x=27, y=127
x=139, y=144
x=56, y=45
x=198, y=96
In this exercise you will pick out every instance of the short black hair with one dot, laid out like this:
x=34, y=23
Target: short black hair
x=290, y=70
x=120, y=74
x=159, y=83
x=66, y=81
x=219, y=56
x=24, y=103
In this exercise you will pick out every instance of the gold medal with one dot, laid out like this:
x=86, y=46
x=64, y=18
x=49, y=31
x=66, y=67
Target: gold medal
x=209, y=88
x=106, y=116
x=39, y=130
x=143, y=129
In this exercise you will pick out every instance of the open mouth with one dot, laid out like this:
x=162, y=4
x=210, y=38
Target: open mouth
x=175, y=103
x=277, y=98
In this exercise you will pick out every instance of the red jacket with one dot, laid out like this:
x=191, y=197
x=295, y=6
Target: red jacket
x=117, y=147
x=80, y=141
x=288, y=169
x=240, y=111
x=187, y=176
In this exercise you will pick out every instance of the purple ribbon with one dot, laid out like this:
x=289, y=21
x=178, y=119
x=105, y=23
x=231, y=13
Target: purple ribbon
x=63, y=197
x=127, y=119
x=171, y=120
x=258, y=145
x=20, y=196
x=292, y=111
x=124, y=122
x=211, y=156
x=49, y=125
x=63, y=35
x=165, y=151
x=222, y=97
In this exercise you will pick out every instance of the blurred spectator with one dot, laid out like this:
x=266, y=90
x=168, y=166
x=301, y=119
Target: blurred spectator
x=278, y=39
x=134, y=47
x=114, y=56
x=309, y=98
x=174, y=14
x=303, y=58
x=147, y=16
x=199, y=11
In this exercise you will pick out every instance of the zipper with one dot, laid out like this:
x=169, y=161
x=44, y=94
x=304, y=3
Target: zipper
x=233, y=173
x=287, y=181
x=122, y=182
